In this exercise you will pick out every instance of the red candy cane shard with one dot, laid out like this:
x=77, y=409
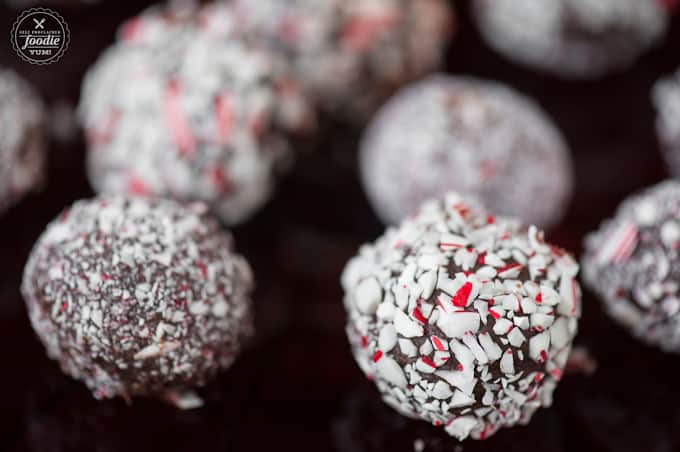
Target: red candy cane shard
x=177, y=122
x=136, y=186
x=224, y=117
x=461, y=298
x=419, y=316
x=619, y=246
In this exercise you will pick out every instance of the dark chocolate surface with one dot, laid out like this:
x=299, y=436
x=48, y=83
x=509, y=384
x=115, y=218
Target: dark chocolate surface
x=297, y=387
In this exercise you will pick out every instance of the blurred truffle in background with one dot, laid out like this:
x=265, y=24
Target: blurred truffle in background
x=572, y=38
x=476, y=137
x=462, y=319
x=666, y=98
x=23, y=152
x=351, y=54
x=632, y=262
x=183, y=106
x=139, y=296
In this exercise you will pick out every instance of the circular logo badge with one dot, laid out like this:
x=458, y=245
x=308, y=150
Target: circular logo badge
x=40, y=36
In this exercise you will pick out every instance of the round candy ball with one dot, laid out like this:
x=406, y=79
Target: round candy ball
x=138, y=296
x=22, y=139
x=461, y=318
x=632, y=263
x=572, y=38
x=666, y=98
x=471, y=136
x=182, y=106
x=351, y=54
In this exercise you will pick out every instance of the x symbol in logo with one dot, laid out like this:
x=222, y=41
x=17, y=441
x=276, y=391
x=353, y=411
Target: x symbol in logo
x=39, y=23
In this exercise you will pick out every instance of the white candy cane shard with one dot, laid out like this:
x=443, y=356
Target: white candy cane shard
x=452, y=241
x=405, y=326
x=154, y=350
x=368, y=295
x=456, y=324
x=186, y=400
x=569, y=293
x=461, y=427
x=390, y=370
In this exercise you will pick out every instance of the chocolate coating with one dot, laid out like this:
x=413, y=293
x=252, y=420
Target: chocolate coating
x=572, y=38
x=461, y=318
x=632, y=263
x=136, y=296
x=22, y=139
x=351, y=54
x=476, y=137
x=183, y=106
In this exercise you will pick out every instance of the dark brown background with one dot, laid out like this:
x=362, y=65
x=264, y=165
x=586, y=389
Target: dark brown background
x=297, y=387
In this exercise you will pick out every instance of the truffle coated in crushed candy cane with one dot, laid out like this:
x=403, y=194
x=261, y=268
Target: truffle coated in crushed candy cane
x=464, y=343
x=632, y=263
x=572, y=38
x=350, y=54
x=478, y=131
x=137, y=312
x=191, y=109
x=22, y=141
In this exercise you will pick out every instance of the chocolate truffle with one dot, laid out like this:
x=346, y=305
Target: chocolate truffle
x=471, y=136
x=22, y=140
x=666, y=98
x=572, y=38
x=462, y=319
x=351, y=54
x=138, y=296
x=632, y=263
x=182, y=106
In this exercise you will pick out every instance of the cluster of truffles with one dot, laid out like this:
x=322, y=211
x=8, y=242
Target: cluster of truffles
x=666, y=98
x=22, y=141
x=350, y=55
x=183, y=106
x=198, y=102
x=633, y=263
x=572, y=38
x=136, y=296
x=475, y=137
x=461, y=318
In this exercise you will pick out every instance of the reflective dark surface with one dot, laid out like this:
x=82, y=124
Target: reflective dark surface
x=297, y=387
